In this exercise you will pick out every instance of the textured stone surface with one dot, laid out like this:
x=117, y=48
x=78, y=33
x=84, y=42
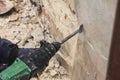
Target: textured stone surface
x=5, y=6
x=98, y=19
x=63, y=22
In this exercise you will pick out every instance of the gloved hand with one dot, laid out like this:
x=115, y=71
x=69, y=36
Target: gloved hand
x=8, y=53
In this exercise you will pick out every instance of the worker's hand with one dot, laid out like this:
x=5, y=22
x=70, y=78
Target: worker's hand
x=8, y=51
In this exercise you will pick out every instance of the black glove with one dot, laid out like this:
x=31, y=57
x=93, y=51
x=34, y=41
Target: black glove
x=8, y=53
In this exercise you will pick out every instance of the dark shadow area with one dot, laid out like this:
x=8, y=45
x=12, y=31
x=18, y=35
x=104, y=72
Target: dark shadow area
x=113, y=72
x=13, y=10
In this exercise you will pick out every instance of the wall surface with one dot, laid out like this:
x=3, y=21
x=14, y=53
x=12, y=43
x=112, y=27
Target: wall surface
x=98, y=18
x=86, y=55
x=62, y=19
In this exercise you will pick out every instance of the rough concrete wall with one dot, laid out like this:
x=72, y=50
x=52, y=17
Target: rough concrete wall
x=86, y=55
x=63, y=21
x=92, y=57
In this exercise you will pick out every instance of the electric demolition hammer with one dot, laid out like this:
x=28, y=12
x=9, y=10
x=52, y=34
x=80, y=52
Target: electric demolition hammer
x=25, y=67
